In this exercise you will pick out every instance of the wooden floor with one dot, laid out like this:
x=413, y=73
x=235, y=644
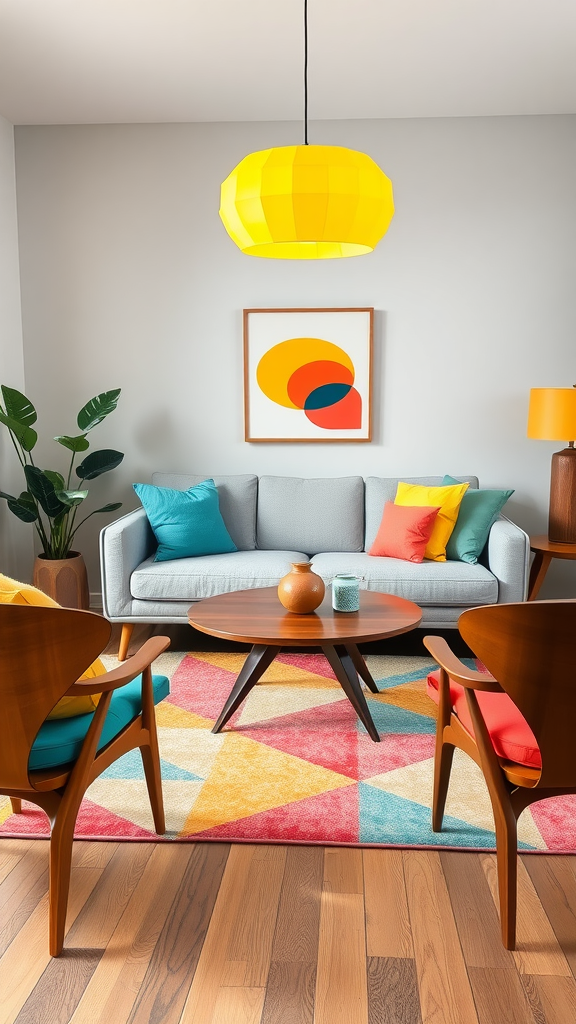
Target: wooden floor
x=208, y=933
x=217, y=934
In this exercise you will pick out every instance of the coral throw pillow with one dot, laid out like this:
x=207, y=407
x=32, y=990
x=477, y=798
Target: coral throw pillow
x=404, y=532
x=12, y=592
x=448, y=498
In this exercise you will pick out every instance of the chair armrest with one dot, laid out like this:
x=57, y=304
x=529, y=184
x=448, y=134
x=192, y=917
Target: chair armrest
x=125, y=672
x=470, y=678
x=509, y=560
x=124, y=544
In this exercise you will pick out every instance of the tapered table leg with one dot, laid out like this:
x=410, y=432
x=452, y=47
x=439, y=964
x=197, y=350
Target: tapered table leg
x=254, y=667
x=538, y=571
x=346, y=674
x=361, y=667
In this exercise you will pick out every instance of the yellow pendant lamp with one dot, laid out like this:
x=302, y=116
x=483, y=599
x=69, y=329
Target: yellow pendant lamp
x=306, y=202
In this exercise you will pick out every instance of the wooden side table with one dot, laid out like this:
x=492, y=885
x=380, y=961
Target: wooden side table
x=545, y=550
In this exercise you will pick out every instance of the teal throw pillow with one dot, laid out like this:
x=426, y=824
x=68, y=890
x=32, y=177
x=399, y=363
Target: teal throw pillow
x=478, y=511
x=185, y=523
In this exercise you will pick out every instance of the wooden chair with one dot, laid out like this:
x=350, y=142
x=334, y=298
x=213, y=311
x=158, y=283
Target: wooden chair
x=42, y=652
x=530, y=650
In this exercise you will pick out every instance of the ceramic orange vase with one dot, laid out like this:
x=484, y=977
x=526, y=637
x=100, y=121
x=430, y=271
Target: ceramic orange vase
x=302, y=590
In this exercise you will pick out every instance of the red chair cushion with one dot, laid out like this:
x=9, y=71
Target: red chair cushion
x=509, y=731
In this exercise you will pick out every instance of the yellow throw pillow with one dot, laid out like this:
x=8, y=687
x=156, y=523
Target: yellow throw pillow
x=448, y=499
x=12, y=592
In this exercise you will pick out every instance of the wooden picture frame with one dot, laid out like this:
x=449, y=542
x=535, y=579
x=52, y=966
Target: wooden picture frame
x=308, y=374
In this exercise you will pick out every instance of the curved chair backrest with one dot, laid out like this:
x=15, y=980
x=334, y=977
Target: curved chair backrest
x=43, y=651
x=530, y=649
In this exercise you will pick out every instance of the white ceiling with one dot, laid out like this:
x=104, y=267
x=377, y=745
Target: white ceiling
x=91, y=61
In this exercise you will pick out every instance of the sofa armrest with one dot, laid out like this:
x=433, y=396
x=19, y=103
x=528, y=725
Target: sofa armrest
x=124, y=544
x=509, y=560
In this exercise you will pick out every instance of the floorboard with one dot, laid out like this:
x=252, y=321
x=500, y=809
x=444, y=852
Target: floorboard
x=205, y=933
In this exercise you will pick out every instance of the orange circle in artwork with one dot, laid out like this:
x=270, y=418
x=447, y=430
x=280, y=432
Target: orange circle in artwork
x=310, y=376
x=343, y=415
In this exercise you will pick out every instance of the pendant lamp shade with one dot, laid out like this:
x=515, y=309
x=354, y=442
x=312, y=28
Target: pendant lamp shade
x=306, y=202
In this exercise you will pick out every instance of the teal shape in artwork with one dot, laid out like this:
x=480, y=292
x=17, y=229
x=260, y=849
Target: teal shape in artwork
x=326, y=395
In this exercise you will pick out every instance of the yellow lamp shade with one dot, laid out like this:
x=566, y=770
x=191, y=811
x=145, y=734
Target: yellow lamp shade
x=306, y=202
x=552, y=414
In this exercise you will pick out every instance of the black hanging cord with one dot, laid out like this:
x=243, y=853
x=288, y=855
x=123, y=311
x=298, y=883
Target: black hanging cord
x=305, y=72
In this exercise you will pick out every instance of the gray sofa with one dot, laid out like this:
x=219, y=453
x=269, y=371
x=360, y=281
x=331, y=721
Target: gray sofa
x=278, y=520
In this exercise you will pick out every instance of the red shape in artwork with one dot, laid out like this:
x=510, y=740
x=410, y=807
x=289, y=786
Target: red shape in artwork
x=307, y=378
x=344, y=415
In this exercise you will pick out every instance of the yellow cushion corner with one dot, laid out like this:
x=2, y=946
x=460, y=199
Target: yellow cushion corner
x=13, y=592
x=448, y=499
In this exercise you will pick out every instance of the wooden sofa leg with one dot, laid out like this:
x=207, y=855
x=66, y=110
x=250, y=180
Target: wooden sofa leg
x=16, y=804
x=127, y=629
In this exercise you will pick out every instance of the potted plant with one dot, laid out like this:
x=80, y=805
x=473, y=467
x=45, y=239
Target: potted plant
x=50, y=499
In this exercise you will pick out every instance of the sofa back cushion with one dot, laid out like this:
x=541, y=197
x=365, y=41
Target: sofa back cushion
x=237, y=498
x=311, y=515
x=380, y=489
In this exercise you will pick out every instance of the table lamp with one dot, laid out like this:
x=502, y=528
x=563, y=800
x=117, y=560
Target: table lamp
x=552, y=417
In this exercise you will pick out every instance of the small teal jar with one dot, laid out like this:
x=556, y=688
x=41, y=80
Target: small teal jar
x=345, y=593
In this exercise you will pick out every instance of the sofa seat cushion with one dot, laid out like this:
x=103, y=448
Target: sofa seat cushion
x=512, y=737
x=427, y=583
x=59, y=742
x=192, y=579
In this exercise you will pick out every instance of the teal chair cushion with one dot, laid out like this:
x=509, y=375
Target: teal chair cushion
x=60, y=740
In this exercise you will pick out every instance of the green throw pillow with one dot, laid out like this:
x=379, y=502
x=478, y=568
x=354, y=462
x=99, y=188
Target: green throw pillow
x=478, y=511
x=185, y=523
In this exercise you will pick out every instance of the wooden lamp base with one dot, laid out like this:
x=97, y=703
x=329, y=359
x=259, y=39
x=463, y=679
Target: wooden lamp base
x=562, y=516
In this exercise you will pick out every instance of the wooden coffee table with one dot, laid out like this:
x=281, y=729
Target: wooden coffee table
x=257, y=617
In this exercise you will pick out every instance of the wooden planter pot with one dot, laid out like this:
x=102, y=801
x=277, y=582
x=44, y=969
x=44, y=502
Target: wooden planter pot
x=63, y=579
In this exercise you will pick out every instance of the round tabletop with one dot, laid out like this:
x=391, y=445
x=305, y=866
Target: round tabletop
x=554, y=548
x=257, y=617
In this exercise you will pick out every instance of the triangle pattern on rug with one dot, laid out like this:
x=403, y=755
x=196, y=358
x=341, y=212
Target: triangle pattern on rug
x=130, y=766
x=386, y=818
x=330, y=817
x=249, y=777
x=294, y=764
x=468, y=800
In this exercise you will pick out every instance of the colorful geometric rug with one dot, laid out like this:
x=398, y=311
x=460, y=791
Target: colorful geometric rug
x=294, y=765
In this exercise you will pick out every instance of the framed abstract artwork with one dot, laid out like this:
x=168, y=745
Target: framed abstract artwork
x=308, y=374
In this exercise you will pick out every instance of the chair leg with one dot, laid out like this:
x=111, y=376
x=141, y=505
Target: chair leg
x=16, y=804
x=507, y=861
x=60, y=866
x=442, y=767
x=151, y=762
x=125, y=637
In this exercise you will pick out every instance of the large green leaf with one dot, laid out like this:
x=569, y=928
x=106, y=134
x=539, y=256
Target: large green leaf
x=18, y=407
x=26, y=435
x=55, y=478
x=99, y=462
x=71, y=498
x=108, y=508
x=23, y=507
x=97, y=409
x=43, y=490
x=74, y=444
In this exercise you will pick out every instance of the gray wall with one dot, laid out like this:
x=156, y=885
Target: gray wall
x=15, y=538
x=129, y=280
